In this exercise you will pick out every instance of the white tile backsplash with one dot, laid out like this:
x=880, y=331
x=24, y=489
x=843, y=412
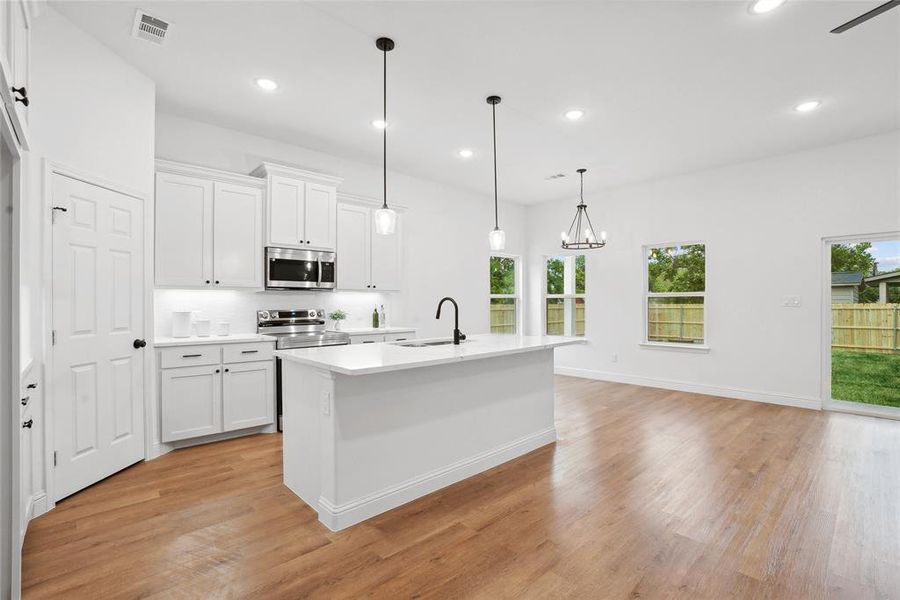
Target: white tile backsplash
x=238, y=307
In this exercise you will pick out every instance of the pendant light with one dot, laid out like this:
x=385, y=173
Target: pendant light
x=581, y=234
x=497, y=237
x=385, y=218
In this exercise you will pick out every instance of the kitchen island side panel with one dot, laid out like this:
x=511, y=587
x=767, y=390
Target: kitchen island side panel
x=397, y=431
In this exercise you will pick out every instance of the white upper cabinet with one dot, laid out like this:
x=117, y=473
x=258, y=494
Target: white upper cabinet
x=353, y=254
x=366, y=260
x=237, y=235
x=208, y=228
x=321, y=216
x=184, y=208
x=15, y=64
x=284, y=219
x=300, y=208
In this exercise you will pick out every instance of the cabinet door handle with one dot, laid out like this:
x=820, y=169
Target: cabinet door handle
x=217, y=371
x=27, y=424
x=25, y=400
x=400, y=339
x=368, y=341
x=226, y=370
x=191, y=355
x=249, y=351
x=31, y=386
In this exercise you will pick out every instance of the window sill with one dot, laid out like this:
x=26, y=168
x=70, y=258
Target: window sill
x=700, y=348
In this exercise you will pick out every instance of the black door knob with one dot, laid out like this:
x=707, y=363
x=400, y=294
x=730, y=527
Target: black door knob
x=140, y=343
x=27, y=424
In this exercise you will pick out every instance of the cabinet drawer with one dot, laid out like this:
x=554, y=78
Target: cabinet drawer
x=235, y=353
x=367, y=339
x=189, y=356
x=400, y=337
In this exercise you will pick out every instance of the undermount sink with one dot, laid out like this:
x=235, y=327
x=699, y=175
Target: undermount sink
x=417, y=344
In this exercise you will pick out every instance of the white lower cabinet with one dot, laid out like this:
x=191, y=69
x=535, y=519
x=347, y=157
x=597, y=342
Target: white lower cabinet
x=191, y=402
x=375, y=338
x=246, y=395
x=213, y=398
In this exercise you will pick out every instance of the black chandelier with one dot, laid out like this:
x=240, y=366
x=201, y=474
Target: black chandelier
x=581, y=234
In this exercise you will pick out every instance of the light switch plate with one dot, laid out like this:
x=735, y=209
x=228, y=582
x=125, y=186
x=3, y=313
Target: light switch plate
x=326, y=403
x=791, y=301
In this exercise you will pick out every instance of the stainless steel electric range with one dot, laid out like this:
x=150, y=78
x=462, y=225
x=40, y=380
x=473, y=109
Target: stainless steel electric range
x=297, y=328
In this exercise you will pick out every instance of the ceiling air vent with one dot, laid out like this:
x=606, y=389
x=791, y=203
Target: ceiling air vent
x=555, y=176
x=149, y=28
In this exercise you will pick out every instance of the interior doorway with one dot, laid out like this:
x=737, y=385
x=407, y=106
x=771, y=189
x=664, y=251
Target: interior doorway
x=861, y=309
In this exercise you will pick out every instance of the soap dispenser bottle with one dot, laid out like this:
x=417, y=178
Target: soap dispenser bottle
x=375, y=318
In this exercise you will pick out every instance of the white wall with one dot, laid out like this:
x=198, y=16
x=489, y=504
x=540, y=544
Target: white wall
x=445, y=248
x=90, y=111
x=763, y=223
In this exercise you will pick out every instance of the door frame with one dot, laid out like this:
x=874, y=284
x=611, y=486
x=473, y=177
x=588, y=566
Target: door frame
x=10, y=455
x=50, y=169
x=828, y=403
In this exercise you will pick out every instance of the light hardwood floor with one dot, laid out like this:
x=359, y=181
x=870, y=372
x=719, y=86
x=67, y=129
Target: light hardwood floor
x=648, y=494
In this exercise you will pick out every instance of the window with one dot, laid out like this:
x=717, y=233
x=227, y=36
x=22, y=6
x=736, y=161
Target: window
x=676, y=294
x=505, y=301
x=564, y=295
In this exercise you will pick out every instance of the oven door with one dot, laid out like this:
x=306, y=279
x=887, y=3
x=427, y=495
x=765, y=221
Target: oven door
x=289, y=269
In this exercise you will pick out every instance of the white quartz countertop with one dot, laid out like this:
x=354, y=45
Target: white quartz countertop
x=372, y=330
x=237, y=338
x=365, y=359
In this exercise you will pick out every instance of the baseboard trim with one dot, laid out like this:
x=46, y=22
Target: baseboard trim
x=695, y=388
x=38, y=504
x=158, y=449
x=337, y=517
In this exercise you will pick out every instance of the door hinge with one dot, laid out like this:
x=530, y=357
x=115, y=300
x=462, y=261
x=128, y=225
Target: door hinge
x=53, y=337
x=54, y=458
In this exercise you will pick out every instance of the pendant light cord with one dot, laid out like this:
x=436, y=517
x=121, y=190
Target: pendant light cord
x=384, y=132
x=582, y=188
x=496, y=210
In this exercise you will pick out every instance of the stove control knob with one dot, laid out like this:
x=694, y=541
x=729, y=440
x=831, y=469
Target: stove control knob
x=264, y=315
x=321, y=313
x=273, y=315
x=312, y=313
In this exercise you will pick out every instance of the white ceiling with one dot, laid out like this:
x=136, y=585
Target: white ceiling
x=668, y=87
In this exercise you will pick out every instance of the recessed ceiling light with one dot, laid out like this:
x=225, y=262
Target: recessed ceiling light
x=760, y=7
x=466, y=153
x=379, y=124
x=267, y=84
x=808, y=106
x=574, y=114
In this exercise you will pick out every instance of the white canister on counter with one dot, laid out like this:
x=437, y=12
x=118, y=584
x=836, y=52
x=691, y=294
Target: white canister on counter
x=202, y=327
x=181, y=323
x=223, y=328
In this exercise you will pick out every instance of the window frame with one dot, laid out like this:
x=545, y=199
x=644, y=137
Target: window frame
x=647, y=294
x=568, y=294
x=517, y=296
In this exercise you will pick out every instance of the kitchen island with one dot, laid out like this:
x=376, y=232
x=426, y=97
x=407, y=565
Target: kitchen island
x=370, y=427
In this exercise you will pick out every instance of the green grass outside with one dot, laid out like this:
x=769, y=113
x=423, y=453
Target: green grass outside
x=868, y=378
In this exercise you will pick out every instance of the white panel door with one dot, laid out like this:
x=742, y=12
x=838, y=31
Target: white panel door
x=321, y=216
x=248, y=395
x=386, y=258
x=353, y=247
x=184, y=222
x=286, y=213
x=237, y=236
x=191, y=402
x=98, y=314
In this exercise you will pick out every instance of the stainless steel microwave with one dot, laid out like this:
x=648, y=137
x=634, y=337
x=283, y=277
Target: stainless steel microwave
x=289, y=269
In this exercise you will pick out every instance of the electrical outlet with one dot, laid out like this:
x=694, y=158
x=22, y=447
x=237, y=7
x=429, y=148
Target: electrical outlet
x=325, y=400
x=791, y=301
x=614, y=357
